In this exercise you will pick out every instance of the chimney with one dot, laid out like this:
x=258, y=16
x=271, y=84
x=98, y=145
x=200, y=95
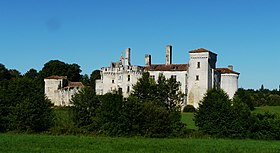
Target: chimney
x=168, y=55
x=148, y=60
x=127, y=56
x=230, y=67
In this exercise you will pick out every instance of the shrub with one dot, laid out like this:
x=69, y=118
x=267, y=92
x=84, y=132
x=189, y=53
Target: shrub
x=189, y=108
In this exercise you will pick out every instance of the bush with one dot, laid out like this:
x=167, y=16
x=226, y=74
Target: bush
x=85, y=111
x=34, y=114
x=265, y=126
x=189, y=108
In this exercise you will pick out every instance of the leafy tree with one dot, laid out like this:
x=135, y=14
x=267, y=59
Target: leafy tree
x=24, y=106
x=56, y=67
x=163, y=98
x=14, y=73
x=245, y=98
x=4, y=73
x=145, y=88
x=214, y=115
x=31, y=74
x=86, y=106
x=33, y=114
x=113, y=122
x=93, y=77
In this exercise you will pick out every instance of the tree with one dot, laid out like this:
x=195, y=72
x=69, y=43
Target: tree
x=214, y=115
x=145, y=88
x=93, y=77
x=32, y=74
x=56, y=67
x=24, y=107
x=161, y=102
x=33, y=114
x=86, y=106
x=245, y=98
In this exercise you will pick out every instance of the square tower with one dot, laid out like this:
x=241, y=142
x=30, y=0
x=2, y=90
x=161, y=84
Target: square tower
x=202, y=65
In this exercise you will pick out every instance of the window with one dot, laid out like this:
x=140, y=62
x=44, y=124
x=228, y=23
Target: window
x=198, y=65
x=128, y=78
x=120, y=77
x=128, y=89
x=152, y=77
x=173, y=77
x=197, y=77
x=113, y=81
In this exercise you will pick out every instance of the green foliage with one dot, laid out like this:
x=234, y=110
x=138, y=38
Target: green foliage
x=85, y=109
x=93, y=77
x=189, y=108
x=33, y=114
x=265, y=126
x=214, y=113
x=160, y=104
x=218, y=116
x=56, y=67
x=245, y=98
x=23, y=106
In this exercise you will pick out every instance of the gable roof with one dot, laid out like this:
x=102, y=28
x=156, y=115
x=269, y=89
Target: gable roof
x=201, y=50
x=169, y=67
x=226, y=70
x=56, y=77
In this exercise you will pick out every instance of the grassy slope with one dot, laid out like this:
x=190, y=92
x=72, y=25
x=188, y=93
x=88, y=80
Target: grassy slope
x=45, y=143
x=271, y=109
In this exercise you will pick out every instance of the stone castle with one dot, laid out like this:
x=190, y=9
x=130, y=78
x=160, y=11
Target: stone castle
x=196, y=76
x=60, y=91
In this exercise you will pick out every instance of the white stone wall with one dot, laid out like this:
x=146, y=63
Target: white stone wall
x=229, y=83
x=114, y=78
x=200, y=77
x=181, y=76
x=59, y=95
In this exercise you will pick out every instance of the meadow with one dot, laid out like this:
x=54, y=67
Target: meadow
x=23, y=143
x=30, y=143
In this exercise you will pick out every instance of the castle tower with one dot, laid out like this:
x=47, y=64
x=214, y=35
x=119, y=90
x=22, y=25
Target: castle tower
x=127, y=56
x=148, y=60
x=168, y=55
x=202, y=65
x=229, y=80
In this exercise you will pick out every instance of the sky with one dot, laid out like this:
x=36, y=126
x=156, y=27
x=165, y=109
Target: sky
x=94, y=33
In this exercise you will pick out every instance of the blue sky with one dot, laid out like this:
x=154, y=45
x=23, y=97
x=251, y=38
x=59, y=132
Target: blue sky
x=92, y=33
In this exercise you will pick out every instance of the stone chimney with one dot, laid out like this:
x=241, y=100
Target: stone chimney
x=230, y=67
x=127, y=56
x=148, y=60
x=168, y=55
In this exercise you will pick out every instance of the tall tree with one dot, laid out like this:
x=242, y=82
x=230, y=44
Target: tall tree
x=93, y=77
x=56, y=67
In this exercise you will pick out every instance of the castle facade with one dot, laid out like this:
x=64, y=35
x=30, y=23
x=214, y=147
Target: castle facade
x=195, y=77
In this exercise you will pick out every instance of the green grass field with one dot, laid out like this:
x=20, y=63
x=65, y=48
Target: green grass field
x=187, y=118
x=21, y=143
x=271, y=109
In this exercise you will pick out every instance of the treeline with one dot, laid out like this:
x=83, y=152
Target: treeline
x=261, y=97
x=221, y=117
x=23, y=105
